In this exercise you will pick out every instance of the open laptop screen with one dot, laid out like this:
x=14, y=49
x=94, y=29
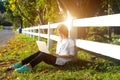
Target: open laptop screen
x=42, y=46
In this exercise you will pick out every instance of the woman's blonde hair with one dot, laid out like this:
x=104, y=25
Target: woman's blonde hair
x=63, y=29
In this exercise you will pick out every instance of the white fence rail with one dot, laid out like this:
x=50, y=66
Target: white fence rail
x=97, y=47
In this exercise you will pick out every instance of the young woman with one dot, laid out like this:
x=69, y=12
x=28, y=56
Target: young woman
x=64, y=53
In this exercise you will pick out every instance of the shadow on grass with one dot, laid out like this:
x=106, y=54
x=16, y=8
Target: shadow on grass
x=84, y=64
x=75, y=65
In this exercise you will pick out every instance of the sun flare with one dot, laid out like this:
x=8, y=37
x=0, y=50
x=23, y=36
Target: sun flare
x=68, y=21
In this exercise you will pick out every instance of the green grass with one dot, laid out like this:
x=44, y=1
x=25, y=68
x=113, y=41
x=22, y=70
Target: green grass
x=84, y=68
x=115, y=39
x=1, y=27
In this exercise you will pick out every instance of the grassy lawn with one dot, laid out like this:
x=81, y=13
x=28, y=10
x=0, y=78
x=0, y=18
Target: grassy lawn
x=1, y=27
x=85, y=68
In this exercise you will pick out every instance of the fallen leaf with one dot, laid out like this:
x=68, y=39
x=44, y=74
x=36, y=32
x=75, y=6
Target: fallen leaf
x=0, y=54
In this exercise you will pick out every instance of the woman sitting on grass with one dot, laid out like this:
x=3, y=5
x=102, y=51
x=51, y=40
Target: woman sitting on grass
x=64, y=53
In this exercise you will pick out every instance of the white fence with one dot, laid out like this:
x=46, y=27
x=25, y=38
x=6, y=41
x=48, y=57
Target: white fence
x=97, y=47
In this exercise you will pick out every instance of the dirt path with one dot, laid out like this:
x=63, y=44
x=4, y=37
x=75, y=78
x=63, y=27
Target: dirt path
x=5, y=35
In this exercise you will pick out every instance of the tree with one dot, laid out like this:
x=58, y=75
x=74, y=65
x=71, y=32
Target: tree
x=80, y=8
x=47, y=10
x=9, y=12
x=33, y=12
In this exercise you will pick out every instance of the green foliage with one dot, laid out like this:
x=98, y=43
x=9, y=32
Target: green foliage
x=115, y=39
x=17, y=14
x=9, y=14
x=31, y=12
x=2, y=8
x=48, y=10
x=1, y=27
x=98, y=34
x=111, y=6
x=3, y=18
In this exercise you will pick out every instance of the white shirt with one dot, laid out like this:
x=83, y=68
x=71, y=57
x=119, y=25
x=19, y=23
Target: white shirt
x=65, y=46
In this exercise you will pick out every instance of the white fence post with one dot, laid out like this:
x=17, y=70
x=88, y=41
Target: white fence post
x=30, y=32
x=39, y=33
x=49, y=42
x=34, y=31
x=72, y=31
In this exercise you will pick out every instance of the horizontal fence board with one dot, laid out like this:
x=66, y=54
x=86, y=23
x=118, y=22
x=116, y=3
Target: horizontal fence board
x=43, y=35
x=101, y=48
x=54, y=25
x=109, y=20
x=43, y=27
x=53, y=37
x=31, y=33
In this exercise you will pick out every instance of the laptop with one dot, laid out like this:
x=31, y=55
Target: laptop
x=42, y=46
